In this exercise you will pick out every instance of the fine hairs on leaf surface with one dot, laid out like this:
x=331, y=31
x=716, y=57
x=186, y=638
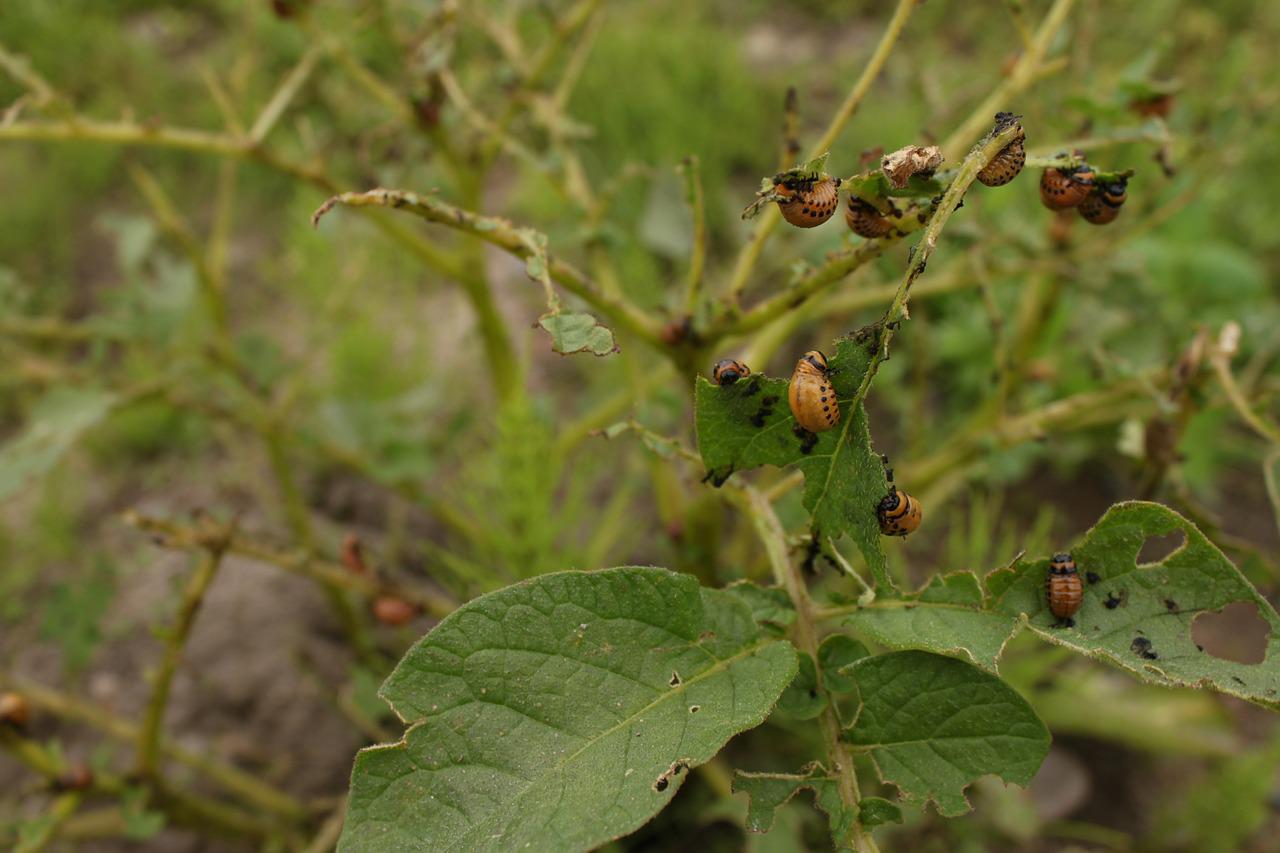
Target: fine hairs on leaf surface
x=749, y=424
x=562, y=712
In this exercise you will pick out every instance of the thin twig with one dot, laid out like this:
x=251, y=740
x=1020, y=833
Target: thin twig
x=175, y=644
x=1273, y=488
x=47, y=830
x=790, y=153
x=20, y=69
x=327, y=572
x=505, y=235
x=698, y=258
x=284, y=94
x=1221, y=363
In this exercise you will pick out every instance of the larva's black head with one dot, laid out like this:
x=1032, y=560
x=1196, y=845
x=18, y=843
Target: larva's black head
x=1004, y=119
x=816, y=358
x=728, y=371
x=1062, y=563
x=889, y=502
x=1113, y=192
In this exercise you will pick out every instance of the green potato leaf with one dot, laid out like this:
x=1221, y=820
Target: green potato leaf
x=1138, y=617
x=562, y=712
x=771, y=791
x=946, y=617
x=934, y=724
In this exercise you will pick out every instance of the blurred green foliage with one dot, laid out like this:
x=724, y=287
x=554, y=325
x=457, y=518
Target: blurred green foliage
x=371, y=364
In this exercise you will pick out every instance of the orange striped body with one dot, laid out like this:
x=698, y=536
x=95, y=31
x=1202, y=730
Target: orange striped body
x=865, y=221
x=810, y=394
x=808, y=203
x=899, y=513
x=1006, y=165
x=1062, y=189
x=1063, y=586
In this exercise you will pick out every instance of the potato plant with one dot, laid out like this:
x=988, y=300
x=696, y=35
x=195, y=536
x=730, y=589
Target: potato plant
x=440, y=310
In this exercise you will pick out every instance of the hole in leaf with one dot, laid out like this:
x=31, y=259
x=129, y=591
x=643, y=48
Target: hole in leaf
x=1235, y=633
x=675, y=679
x=1156, y=548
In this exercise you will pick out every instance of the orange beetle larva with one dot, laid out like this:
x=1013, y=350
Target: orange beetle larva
x=390, y=610
x=1064, y=588
x=728, y=371
x=1006, y=165
x=865, y=221
x=1062, y=189
x=14, y=710
x=812, y=399
x=898, y=512
x=807, y=202
x=1104, y=203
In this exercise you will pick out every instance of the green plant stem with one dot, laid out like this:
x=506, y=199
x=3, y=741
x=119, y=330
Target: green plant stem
x=774, y=539
x=284, y=94
x=1025, y=71
x=327, y=573
x=610, y=409
x=698, y=258
x=57, y=330
x=1079, y=411
x=175, y=643
x=63, y=809
x=172, y=222
x=330, y=831
x=775, y=335
x=1221, y=364
x=505, y=367
x=1270, y=479
x=93, y=824
x=20, y=69
x=792, y=297
x=247, y=787
x=768, y=221
x=1152, y=132
x=507, y=236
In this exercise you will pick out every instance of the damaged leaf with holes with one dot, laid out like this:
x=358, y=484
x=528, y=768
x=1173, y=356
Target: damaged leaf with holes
x=562, y=712
x=749, y=424
x=768, y=792
x=934, y=724
x=1139, y=616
